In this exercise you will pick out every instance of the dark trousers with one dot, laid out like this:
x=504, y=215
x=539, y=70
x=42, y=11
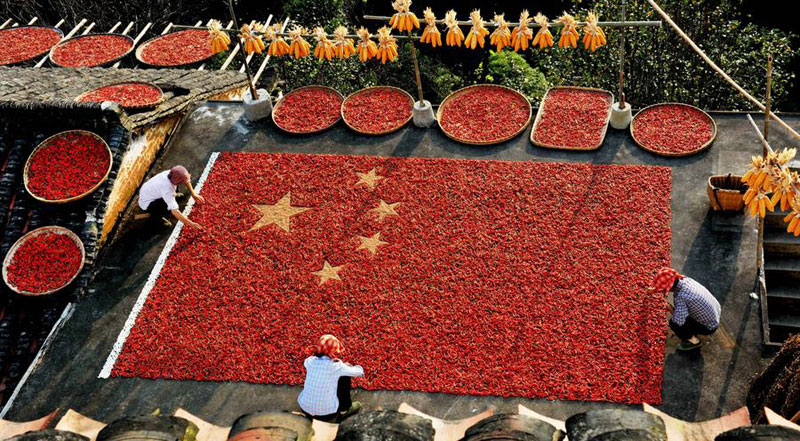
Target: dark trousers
x=157, y=209
x=689, y=329
x=343, y=394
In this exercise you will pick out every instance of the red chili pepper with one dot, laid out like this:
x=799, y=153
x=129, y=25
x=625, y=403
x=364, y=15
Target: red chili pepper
x=178, y=48
x=91, y=50
x=377, y=110
x=499, y=278
x=673, y=128
x=127, y=94
x=573, y=118
x=67, y=166
x=485, y=114
x=309, y=109
x=44, y=262
x=20, y=44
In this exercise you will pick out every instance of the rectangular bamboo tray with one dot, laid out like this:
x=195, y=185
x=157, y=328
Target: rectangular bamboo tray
x=540, y=112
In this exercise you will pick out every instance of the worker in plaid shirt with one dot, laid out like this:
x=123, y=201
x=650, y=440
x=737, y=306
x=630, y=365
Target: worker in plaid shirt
x=326, y=391
x=696, y=311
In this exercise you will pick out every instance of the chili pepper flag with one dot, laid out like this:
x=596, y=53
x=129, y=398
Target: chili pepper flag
x=469, y=277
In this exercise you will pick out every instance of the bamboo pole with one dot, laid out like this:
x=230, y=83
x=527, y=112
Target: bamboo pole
x=114, y=28
x=605, y=24
x=69, y=35
x=250, y=57
x=286, y=34
x=127, y=28
x=764, y=152
x=135, y=40
x=621, y=92
x=229, y=26
x=234, y=51
x=253, y=91
x=58, y=25
x=719, y=71
x=33, y=20
x=88, y=28
x=416, y=71
x=166, y=29
x=5, y=23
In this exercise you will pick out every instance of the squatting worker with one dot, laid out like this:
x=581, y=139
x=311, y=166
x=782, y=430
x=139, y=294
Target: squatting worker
x=157, y=195
x=326, y=391
x=696, y=311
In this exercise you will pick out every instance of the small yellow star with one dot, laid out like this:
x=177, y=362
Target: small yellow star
x=371, y=243
x=328, y=272
x=383, y=209
x=369, y=179
x=278, y=214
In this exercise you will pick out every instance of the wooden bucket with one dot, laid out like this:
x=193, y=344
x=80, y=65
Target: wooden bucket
x=726, y=193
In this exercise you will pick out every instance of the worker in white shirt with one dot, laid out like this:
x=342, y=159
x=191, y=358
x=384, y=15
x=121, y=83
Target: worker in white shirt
x=157, y=195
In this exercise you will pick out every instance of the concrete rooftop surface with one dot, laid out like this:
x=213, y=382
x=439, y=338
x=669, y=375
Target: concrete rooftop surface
x=716, y=249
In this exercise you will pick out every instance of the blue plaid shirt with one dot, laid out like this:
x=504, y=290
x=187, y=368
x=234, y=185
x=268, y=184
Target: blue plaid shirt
x=694, y=300
x=322, y=380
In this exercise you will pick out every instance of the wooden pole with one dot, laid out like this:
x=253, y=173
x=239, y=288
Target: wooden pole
x=760, y=249
x=416, y=70
x=719, y=71
x=622, y=61
x=253, y=91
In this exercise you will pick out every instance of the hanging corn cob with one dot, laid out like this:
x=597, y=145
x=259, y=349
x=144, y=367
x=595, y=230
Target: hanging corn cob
x=278, y=46
x=766, y=176
x=569, y=33
x=454, y=35
x=252, y=41
x=522, y=34
x=477, y=34
x=403, y=20
x=324, y=49
x=783, y=189
x=343, y=46
x=220, y=40
x=366, y=47
x=299, y=47
x=593, y=36
x=387, y=45
x=543, y=38
x=501, y=37
x=431, y=34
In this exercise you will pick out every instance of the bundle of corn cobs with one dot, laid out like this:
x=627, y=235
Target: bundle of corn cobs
x=773, y=185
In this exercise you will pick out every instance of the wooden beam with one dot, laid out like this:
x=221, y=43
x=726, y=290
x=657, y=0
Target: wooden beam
x=719, y=71
x=234, y=51
x=266, y=59
x=128, y=28
x=230, y=25
x=69, y=35
x=88, y=29
x=250, y=57
x=114, y=28
x=135, y=40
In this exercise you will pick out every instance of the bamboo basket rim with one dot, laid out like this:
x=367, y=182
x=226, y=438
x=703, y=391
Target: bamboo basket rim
x=310, y=86
x=44, y=52
x=383, y=132
x=490, y=142
x=78, y=37
x=733, y=176
x=25, y=171
x=540, y=113
x=143, y=106
x=33, y=233
x=705, y=146
x=142, y=46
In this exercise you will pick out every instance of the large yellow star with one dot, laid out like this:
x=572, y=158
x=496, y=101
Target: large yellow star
x=328, y=272
x=369, y=179
x=278, y=214
x=383, y=209
x=371, y=243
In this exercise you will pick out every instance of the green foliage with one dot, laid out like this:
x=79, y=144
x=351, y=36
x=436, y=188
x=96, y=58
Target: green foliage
x=312, y=13
x=510, y=69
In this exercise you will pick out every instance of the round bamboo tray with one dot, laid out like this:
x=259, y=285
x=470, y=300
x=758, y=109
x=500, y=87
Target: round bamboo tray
x=384, y=132
x=491, y=142
x=43, y=230
x=313, y=86
x=73, y=198
x=675, y=155
x=42, y=53
x=145, y=106
x=105, y=63
x=540, y=113
x=141, y=47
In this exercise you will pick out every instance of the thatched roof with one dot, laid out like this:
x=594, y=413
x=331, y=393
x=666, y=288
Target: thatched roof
x=183, y=87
